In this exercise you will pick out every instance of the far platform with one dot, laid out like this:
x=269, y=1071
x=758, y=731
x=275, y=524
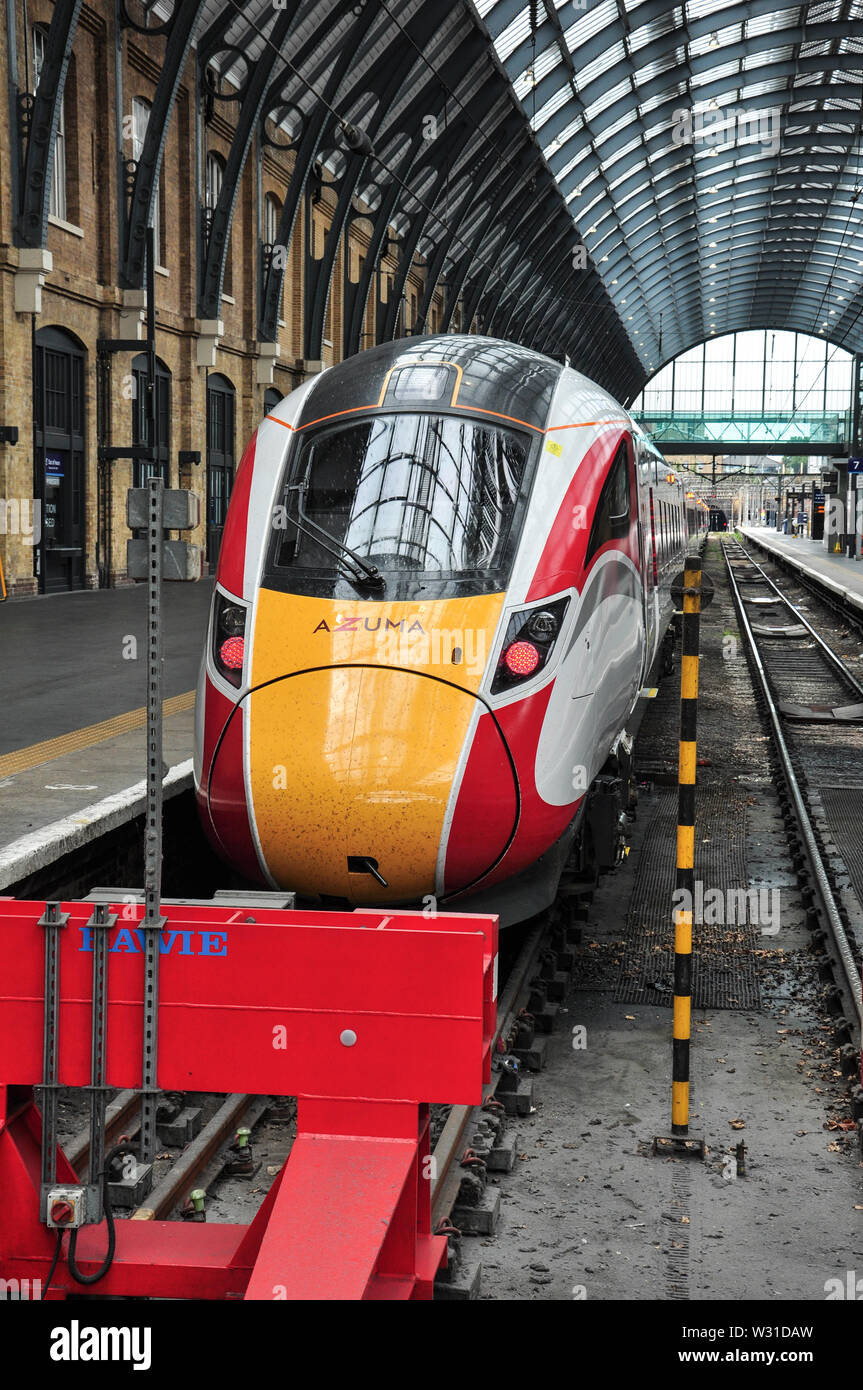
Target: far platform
x=837, y=572
x=72, y=742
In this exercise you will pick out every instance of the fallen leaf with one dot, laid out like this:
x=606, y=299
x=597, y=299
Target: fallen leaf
x=631, y=1017
x=737, y=1124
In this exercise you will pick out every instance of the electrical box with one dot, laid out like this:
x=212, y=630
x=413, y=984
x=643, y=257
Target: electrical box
x=66, y=1208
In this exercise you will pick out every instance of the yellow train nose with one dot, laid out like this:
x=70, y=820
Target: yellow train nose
x=351, y=764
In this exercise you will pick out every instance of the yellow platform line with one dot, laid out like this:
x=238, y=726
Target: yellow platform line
x=25, y=758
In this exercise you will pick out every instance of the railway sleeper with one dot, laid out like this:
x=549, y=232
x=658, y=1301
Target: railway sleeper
x=461, y=1281
x=531, y=1054
x=480, y=1218
x=515, y=1093
x=545, y=1019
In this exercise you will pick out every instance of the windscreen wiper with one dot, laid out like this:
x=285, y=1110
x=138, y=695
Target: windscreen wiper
x=370, y=573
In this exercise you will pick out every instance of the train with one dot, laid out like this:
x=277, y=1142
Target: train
x=443, y=585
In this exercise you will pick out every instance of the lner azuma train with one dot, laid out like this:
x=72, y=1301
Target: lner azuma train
x=443, y=581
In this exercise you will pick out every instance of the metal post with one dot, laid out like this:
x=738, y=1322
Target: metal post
x=52, y=921
x=100, y=924
x=153, y=921
x=685, y=846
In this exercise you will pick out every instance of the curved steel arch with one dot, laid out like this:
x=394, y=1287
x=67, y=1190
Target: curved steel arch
x=318, y=282
x=305, y=157
x=426, y=101
x=219, y=228
x=180, y=31
x=37, y=123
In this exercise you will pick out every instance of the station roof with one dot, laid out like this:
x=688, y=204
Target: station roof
x=707, y=153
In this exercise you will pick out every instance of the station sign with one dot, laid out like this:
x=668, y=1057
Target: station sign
x=55, y=466
x=855, y=465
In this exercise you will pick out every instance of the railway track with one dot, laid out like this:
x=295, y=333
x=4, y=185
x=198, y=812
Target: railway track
x=813, y=705
x=474, y=1140
x=469, y=1137
x=844, y=604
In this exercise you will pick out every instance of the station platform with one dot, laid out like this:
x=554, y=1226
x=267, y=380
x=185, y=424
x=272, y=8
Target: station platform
x=837, y=572
x=71, y=680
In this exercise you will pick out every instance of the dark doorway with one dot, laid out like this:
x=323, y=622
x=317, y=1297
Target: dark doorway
x=220, y=460
x=143, y=470
x=58, y=389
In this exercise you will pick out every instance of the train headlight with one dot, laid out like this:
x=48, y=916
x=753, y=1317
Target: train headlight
x=229, y=644
x=233, y=619
x=543, y=625
x=528, y=644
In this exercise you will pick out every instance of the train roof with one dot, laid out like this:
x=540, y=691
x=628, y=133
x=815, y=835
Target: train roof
x=486, y=374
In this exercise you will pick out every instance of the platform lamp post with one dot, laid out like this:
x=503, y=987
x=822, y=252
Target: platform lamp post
x=695, y=589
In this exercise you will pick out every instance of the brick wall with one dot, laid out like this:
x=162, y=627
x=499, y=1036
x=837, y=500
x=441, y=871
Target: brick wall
x=81, y=294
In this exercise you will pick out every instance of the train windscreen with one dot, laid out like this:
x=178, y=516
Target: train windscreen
x=410, y=494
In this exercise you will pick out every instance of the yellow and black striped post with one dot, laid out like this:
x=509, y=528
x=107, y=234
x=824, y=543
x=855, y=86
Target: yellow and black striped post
x=685, y=878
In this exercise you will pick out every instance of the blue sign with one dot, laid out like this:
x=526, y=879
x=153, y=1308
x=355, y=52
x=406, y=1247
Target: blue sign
x=55, y=465
x=855, y=465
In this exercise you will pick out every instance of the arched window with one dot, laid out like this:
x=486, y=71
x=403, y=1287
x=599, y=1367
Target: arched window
x=59, y=400
x=215, y=174
x=220, y=458
x=57, y=206
x=214, y=178
x=272, y=213
x=140, y=121
x=142, y=470
x=271, y=399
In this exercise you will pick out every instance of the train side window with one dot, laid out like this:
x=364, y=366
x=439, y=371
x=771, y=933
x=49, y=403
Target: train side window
x=611, y=521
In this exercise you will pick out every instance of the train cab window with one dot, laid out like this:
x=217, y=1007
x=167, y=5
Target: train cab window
x=414, y=494
x=611, y=521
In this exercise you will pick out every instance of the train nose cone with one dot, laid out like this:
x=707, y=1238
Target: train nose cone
x=352, y=766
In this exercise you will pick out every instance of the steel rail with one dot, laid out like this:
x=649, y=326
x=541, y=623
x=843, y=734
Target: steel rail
x=833, y=657
x=184, y=1173
x=849, y=966
x=122, y=1109
x=815, y=584
x=447, y=1178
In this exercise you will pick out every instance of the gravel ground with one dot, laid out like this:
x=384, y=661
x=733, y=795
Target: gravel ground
x=588, y=1212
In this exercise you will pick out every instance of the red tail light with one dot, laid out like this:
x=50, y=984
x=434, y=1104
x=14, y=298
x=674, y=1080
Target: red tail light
x=231, y=653
x=522, y=658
